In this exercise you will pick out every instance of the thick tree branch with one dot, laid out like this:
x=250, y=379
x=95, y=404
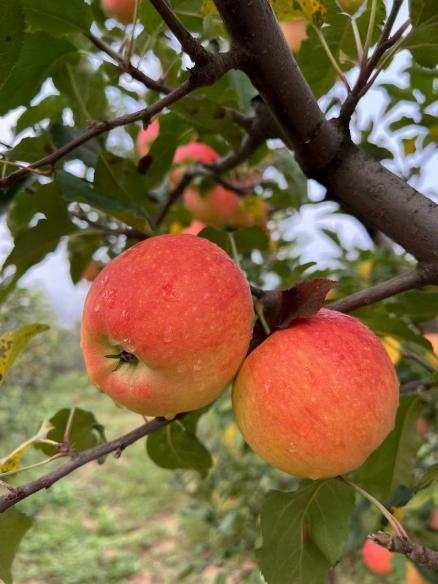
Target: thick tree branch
x=421, y=276
x=118, y=445
x=126, y=66
x=323, y=149
x=418, y=553
x=191, y=46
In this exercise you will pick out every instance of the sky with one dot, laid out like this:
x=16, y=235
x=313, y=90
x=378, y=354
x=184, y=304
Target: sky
x=52, y=275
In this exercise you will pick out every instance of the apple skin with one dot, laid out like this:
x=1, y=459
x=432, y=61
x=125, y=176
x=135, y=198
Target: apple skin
x=146, y=137
x=413, y=576
x=218, y=207
x=183, y=308
x=122, y=10
x=195, y=152
x=315, y=399
x=194, y=228
x=295, y=32
x=377, y=558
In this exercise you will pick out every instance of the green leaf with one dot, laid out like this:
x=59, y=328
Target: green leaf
x=30, y=149
x=11, y=36
x=12, y=343
x=249, y=238
x=304, y=532
x=422, y=41
x=177, y=446
x=392, y=464
x=40, y=54
x=74, y=189
x=58, y=18
x=85, y=431
x=49, y=108
x=80, y=251
x=87, y=153
x=13, y=526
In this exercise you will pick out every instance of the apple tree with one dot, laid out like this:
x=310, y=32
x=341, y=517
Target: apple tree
x=132, y=119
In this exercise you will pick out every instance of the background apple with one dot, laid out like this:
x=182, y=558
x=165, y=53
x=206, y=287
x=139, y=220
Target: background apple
x=295, y=32
x=91, y=271
x=177, y=313
x=315, y=399
x=194, y=228
x=122, y=10
x=377, y=558
x=146, y=137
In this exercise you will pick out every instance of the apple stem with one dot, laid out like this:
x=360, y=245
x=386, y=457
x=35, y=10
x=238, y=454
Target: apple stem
x=397, y=526
x=332, y=58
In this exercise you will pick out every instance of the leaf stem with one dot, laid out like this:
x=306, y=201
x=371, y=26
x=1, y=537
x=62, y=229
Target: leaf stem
x=357, y=39
x=397, y=526
x=332, y=58
x=30, y=466
x=370, y=31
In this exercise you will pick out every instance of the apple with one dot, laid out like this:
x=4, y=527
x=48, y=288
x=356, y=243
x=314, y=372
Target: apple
x=377, y=558
x=146, y=137
x=194, y=228
x=218, y=207
x=91, y=271
x=434, y=520
x=166, y=325
x=315, y=399
x=413, y=576
x=122, y=10
x=295, y=32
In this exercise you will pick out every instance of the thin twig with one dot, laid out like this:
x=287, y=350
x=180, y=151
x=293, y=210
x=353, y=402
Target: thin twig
x=418, y=359
x=190, y=45
x=417, y=278
x=80, y=459
x=98, y=128
x=127, y=67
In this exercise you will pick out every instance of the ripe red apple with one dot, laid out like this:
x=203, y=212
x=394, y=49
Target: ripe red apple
x=195, y=152
x=91, y=271
x=315, y=399
x=377, y=558
x=146, y=137
x=175, y=313
x=122, y=10
x=194, y=228
x=218, y=207
x=295, y=32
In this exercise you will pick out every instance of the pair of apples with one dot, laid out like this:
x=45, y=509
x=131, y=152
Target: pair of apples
x=167, y=325
x=217, y=207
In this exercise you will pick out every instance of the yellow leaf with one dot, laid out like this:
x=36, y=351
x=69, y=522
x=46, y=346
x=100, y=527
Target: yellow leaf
x=230, y=434
x=314, y=10
x=208, y=8
x=284, y=10
x=392, y=347
x=365, y=268
x=10, y=463
x=12, y=343
x=409, y=145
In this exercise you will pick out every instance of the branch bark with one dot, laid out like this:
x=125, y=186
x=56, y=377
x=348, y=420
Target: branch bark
x=418, y=553
x=46, y=481
x=322, y=147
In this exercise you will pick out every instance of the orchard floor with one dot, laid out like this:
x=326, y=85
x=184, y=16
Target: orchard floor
x=119, y=522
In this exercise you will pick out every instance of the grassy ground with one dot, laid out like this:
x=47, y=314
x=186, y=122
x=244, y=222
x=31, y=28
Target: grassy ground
x=123, y=522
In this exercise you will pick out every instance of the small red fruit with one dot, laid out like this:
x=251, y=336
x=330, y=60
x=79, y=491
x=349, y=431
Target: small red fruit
x=377, y=558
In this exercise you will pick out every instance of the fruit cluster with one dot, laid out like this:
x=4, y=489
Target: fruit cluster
x=167, y=325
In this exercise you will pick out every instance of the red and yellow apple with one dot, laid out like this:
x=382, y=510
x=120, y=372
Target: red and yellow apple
x=295, y=32
x=166, y=325
x=122, y=10
x=377, y=558
x=315, y=399
x=146, y=137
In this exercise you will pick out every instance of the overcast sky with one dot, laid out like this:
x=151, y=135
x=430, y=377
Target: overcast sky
x=53, y=277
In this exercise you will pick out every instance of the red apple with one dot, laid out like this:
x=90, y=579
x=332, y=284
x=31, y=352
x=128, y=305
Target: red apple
x=194, y=228
x=218, y=207
x=295, y=32
x=122, y=10
x=175, y=312
x=377, y=558
x=315, y=399
x=146, y=137
x=195, y=152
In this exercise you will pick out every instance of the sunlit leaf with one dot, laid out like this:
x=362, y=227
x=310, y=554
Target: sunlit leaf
x=12, y=343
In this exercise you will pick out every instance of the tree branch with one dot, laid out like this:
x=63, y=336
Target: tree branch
x=322, y=147
x=421, y=276
x=119, y=444
x=191, y=46
x=126, y=66
x=418, y=553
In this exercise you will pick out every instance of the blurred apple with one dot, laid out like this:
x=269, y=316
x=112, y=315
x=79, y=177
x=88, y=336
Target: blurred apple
x=121, y=10
x=146, y=137
x=295, y=32
x=377, y=558
x=91, y=271
x=413, y=576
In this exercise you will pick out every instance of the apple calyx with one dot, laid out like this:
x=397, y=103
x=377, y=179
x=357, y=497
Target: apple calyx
x=124, y=358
